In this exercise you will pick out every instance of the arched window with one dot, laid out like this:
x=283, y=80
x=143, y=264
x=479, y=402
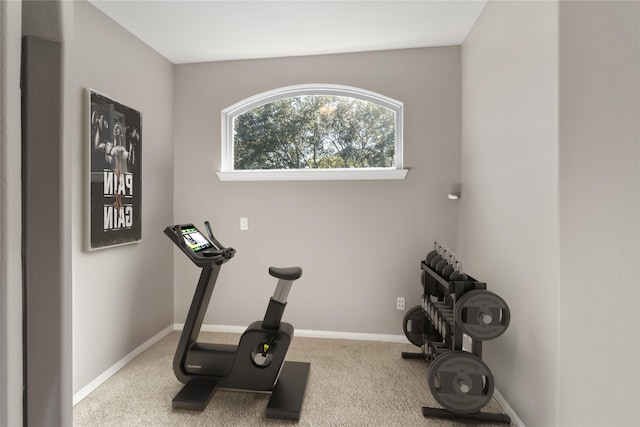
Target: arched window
x=312, y=132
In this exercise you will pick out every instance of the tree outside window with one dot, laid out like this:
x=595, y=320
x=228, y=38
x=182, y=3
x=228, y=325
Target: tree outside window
x=315, y=132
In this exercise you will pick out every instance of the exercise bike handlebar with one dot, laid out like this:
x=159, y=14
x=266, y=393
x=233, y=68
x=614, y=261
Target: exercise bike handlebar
x=214, y=254
x=215, y=242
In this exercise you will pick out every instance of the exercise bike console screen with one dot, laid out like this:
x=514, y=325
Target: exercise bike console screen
x=194, y=239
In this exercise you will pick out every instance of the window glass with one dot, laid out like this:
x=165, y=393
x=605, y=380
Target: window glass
x=307, y=128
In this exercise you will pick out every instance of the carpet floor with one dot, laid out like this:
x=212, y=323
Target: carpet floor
x=351, y=383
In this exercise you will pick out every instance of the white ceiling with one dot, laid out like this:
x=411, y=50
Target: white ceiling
x=200, y=31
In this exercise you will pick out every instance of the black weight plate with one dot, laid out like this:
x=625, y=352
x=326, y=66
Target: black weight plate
x=413, y=326
x=461, y=382
x=482, y=315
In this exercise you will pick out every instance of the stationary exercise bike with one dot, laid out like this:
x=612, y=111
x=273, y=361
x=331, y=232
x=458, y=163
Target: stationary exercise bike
x=257, y=362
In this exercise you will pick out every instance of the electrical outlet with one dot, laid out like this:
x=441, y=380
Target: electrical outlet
x=400, y=303
x=244, y=224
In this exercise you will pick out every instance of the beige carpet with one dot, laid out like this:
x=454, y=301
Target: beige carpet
x=351, y=383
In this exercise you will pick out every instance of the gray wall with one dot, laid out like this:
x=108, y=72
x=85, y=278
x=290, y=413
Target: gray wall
x=10, y=217
x=509, y=209
x=121, y=296
x=44, y=232
x=46, y=182
x=359, y=242
x=549, y=215
x=599, y=298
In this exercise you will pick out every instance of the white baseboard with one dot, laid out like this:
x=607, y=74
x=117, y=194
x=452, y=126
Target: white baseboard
x=86, y=390
x=308, y=333
x=515, y=419
x=356, y=336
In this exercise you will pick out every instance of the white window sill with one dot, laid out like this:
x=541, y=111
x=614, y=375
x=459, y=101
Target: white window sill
x=313, y=174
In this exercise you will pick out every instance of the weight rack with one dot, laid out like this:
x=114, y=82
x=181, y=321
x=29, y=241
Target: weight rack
x=449, y=326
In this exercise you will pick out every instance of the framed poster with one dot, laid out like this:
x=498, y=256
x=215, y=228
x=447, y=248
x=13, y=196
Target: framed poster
x=114, y=211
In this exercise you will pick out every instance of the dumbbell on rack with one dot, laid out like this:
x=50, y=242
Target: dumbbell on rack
x=457, y=273
x=433, y=253
x=446, y=254
x=448, y=269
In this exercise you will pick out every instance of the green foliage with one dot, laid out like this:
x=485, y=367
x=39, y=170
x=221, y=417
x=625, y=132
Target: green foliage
x=315, y=131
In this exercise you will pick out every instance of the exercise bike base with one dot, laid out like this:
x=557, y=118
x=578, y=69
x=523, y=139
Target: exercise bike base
x=288, y=394
x=195, y=394
x=285, y=402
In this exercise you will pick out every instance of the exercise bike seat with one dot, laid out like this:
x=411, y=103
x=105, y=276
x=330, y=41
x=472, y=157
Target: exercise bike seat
x=287, y=273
